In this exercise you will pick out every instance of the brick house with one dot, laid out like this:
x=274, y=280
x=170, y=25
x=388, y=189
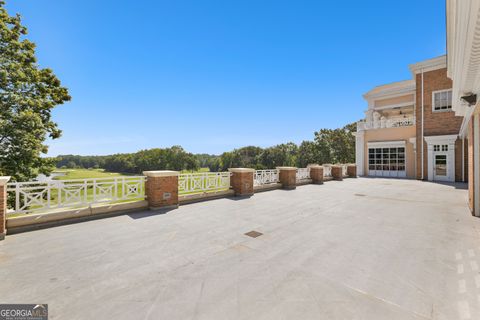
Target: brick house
x=410, y=129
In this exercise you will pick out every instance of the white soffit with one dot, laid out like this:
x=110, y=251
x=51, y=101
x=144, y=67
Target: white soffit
x=441, y=139
x=391, y=90
x=386, y=144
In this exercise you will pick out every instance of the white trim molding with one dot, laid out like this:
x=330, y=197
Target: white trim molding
x=476, y=169
x=428, y=65
x=381, y=144
x=433, y=100
x=441, y=140
x=463, y=47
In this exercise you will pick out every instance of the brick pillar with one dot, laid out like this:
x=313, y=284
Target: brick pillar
x=288, y=177
x=316, y=173
x=241, y=181
x=337, y=172
x=3, y=206
x=161, y=189
x=352, y=171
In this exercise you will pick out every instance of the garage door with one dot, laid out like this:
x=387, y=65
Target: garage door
x=386, y=161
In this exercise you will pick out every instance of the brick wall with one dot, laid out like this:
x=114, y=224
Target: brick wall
x=435, y=123
x=242, y=183
x=288, y=178
x=162, y=191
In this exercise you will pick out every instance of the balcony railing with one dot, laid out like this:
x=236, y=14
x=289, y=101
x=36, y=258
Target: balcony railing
x=190, y=183
x=27, y=197
x=303, y=174
x=386, y=123
x=264, y=177
x=327, y=170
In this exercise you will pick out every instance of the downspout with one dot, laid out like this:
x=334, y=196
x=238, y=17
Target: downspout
x=423, y=109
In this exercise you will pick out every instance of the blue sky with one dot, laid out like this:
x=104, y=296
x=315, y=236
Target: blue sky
x=216, y=75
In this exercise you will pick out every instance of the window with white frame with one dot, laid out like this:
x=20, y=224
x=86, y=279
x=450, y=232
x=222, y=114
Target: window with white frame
x=442, y=100
x=438, y=147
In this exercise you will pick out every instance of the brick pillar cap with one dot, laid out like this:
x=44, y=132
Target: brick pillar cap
x=241, y=170
x=4, y=180
x=315, y=166
x=161, y=173
x=287, y=168
x=336, y=165
x=351, y=165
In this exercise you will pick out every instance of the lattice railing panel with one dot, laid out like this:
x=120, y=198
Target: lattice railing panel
x=203, y=182
x=264, y=177
x=36, y=196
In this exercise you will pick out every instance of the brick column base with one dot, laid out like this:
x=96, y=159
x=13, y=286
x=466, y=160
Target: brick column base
x=161, y=189
x=288, y=177
x=316, y=174
x=241, y=181
x=352, y=171
x=337, y=173
x=3, y=206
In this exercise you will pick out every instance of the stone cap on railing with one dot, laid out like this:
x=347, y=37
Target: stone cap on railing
x=161, y=173
x=287, y=168
x=4, y=180
x=241, y=170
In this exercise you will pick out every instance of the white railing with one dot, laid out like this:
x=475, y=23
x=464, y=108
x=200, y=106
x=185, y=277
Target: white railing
x=303, y=174
x=263, y=177
x=386, y=123
x=402, y=122
x=36, y=196
x=344, y=169
x=327, y=170
x=189, y=183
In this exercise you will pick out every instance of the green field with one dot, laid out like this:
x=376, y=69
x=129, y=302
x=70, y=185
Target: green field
x=86, y=174
x=101, y=173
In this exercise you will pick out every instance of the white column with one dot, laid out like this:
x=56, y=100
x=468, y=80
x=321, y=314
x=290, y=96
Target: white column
x=451, y=161
x=430, y=161
x=360, y=152
x=476, y=169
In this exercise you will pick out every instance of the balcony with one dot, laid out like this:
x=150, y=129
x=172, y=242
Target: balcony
x=386, y=123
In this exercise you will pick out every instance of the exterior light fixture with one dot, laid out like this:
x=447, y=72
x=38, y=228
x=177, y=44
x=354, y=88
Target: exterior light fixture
x=471, y=99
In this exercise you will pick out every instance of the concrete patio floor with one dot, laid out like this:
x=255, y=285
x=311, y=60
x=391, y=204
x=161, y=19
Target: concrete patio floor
x=357, y=249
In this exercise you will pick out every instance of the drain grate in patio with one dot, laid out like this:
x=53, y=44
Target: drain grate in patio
x=360, y=195
x=253, y=234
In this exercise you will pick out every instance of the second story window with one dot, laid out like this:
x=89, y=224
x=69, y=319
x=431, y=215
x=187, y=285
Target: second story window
x=442, y=100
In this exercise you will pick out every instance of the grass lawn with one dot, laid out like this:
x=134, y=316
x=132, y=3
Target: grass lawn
x=86, y=174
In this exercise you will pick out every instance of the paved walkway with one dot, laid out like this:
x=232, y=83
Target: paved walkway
x=357, y=249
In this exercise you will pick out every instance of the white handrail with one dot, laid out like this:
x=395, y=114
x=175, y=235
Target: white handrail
x=303, y=174
x=203, y=182
x=35, y=196
x=263, y=177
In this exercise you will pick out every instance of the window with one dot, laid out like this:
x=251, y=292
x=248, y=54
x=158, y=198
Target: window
x=443, y=147
x=442, y=100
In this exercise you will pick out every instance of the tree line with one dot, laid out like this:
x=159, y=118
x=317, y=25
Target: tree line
x=328, y=146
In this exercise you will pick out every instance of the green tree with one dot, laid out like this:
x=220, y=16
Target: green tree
x=336, y=146
x=28, y=93
x=307, y=154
